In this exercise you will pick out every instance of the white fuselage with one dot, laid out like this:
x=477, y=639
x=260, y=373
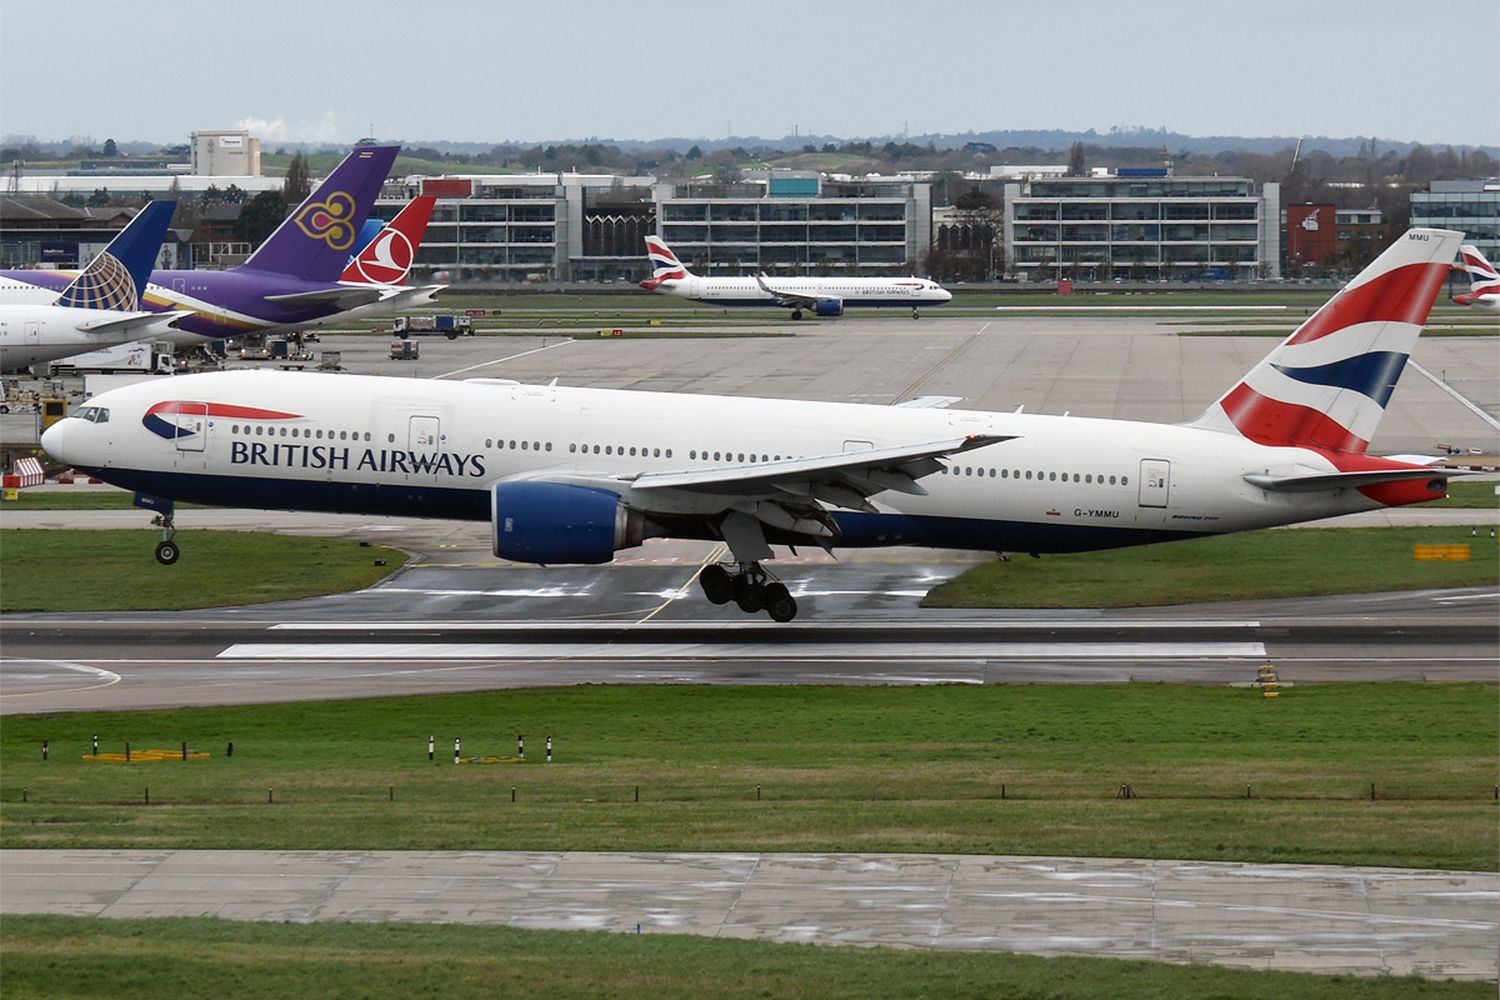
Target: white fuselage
x=32, y=334
x=288, y=440
x=897, y=292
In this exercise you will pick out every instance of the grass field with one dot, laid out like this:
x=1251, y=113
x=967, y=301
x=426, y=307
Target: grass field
x=838, y=769
x=64, y=957
x=65, y=570
x=1274, y=563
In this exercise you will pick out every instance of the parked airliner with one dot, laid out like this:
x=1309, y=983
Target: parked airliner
x=819, y=296
x=569, y=475
x=1484, y=282
x=385, y=262
x=100, y=308
x=289, y=283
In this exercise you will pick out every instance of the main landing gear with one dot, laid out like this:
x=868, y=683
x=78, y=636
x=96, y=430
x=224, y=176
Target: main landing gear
x=796, y=314
x=750, y=587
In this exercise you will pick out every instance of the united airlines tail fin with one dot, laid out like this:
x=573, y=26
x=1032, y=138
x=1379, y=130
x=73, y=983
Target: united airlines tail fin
x=664, y=264
x=389, y=257
x=315, y=240
x=116, y=279
x=1484, y=282
x=1327, y=384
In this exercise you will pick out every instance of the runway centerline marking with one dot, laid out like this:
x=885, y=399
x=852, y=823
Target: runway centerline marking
x=698, y=650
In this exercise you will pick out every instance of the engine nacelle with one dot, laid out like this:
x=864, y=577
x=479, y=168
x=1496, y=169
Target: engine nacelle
x=555, y=523
x=828, y=307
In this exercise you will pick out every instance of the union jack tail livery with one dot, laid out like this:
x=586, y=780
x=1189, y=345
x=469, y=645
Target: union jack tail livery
x=1326, y=386
x=388, y=258
x=664, y=265
x=1484, y=282
x=314, y=242
x=116, y=279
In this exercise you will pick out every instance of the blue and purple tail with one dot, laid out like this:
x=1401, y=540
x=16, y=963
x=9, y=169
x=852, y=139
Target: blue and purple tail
x=315, y=241
x=116, y=279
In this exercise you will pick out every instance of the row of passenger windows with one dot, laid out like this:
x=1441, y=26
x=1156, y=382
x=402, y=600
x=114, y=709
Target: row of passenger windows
x=1053, y=477
x=317, y=433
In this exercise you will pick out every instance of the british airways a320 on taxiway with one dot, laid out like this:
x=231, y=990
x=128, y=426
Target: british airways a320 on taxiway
x=819, y=296
x=569, y=475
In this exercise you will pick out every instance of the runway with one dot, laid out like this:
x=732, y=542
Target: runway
x=1310, y=918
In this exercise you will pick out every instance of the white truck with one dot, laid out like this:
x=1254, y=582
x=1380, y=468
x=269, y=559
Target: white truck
x=142, y=357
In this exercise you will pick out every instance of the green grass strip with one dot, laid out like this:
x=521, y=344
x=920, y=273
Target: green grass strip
x=116, y=570
x=65, y=957
x=1259, y=564
x=1219, y=773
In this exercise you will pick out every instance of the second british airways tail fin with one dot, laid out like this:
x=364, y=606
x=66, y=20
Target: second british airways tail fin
x=314, y=242
x=116, y=279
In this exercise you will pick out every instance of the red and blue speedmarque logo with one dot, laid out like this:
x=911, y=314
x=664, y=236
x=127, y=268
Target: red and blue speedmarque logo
x=175, y=419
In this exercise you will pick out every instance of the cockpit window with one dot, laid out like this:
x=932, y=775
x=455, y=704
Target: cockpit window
x=93, y=414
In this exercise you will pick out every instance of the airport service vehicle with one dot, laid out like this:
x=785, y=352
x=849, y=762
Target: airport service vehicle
x=572, y=475
x=291, y=282
x=98, y=307
x=450, y=326
x=141, y=357
x=1484, y=282
x=819, y=296
x=405, y=350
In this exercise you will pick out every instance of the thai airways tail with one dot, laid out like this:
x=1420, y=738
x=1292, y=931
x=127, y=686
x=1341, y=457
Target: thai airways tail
x=315, y=240
x=116, y=279
x=388, y=258
x=664, y=264
x=1326, y=386
x=1484, y=282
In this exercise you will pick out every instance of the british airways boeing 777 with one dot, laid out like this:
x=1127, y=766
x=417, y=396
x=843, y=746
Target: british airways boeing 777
x=568, y=475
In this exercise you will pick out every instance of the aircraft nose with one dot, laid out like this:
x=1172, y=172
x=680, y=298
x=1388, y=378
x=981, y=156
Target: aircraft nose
x=52, y=439
x=947, y=296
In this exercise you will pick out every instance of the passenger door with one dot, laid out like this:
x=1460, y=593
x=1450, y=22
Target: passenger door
x=1156, y=482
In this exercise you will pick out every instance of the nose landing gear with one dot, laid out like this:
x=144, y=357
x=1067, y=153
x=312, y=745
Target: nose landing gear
x=750, y=587
x=167, y=550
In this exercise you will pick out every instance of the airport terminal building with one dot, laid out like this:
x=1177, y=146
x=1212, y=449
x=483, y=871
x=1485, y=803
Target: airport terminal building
x=592, y=227
x=1142, y=225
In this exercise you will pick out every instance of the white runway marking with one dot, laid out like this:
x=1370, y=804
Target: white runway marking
x=944, y=627
x=697, y=651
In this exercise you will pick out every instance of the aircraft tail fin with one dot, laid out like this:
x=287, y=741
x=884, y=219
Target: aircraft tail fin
x=388, y=258
x=1484, y=281
x=116, y=279
x=664, y=264
x=1326, y=386
x=315, y=240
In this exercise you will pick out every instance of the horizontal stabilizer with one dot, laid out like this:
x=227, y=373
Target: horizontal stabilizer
x=1320, y=482
x=144, y=323
x=337, y=296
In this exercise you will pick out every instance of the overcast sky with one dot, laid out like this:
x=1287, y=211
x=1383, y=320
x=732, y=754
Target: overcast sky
x=335, y=70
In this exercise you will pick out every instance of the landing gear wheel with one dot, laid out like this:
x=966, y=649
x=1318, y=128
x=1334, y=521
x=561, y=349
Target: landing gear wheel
x=779, y=603
x=750, y=595
x=915, y=314
x=167, y=552
x=717, y=584
x=796, y=314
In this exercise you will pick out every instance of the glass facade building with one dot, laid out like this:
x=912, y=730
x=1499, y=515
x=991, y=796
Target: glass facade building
x=1470, y=206
x=1142, y=227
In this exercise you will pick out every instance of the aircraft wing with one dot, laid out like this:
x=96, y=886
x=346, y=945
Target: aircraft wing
x=844, y=479
x=787, y=298
x=929, y=402
x=336, y=296
x=143, y=324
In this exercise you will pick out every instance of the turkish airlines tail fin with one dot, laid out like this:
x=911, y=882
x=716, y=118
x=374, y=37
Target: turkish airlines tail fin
x=315, y=240
x=1484, y=282
x=1327, y=384
x=388, y=258
x=664, y=264
x=116, y=279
